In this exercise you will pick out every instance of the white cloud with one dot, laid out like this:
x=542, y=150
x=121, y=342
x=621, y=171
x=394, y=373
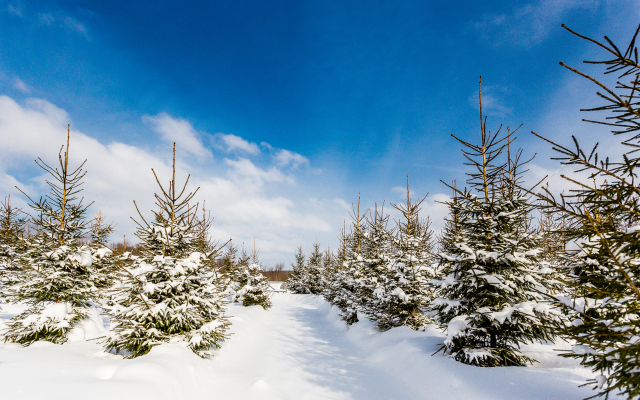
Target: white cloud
x=247, y=201
x=244, y=169
x=284, y=158
x=231, y=142
x=20, y=85
x=179, y=131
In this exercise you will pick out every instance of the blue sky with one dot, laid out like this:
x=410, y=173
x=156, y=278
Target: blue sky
x=284, y=111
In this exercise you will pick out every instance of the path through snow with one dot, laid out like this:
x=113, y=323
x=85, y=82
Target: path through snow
x=298, y=350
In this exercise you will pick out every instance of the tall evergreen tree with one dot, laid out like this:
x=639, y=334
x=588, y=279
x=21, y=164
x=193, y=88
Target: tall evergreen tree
x=57, y=284
x=168, y=293
x=489, y=301
x=602, y=216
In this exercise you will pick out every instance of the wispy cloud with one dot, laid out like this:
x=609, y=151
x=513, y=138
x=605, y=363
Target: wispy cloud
x=245, y=169
x=18, y=84
x=284, y=158
x=14, y=9
x=74, y=25
x=527, y=25
x=492, y=103
x=230, y=143
x=180, y=131
x=54, y=19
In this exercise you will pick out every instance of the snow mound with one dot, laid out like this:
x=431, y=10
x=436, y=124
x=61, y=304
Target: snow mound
x=298, y=349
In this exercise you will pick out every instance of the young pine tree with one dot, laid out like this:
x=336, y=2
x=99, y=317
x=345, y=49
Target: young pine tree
x=408, y=273
x=347, y=285
x=489, y=301
x=602, y=215
x=369, y=291
x=296, y=283
x=314, y=272
x=250, y=286
x=334, y=270
x=216, y=261
x=12, y=243
x=57, y=283
x=105, y=269
x=168, y=293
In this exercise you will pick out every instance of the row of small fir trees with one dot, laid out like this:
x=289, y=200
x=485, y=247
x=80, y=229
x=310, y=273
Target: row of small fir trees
x=514, y=263
x=175, y=289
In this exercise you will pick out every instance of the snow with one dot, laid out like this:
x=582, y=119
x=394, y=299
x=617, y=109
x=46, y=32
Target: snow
x=298, y=349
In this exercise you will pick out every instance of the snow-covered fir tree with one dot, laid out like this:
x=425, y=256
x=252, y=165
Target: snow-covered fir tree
x=328, y=265
x=168, y=293
x=602, y=223
x=333, y=271
x=314, y=271
x=368, y=291
x=403, y=268
x=297, y=280
x=104, y=266
x=57, y=283
x=218, y=260
x=12, y=243
x=490, y=301
x=250, y=286
x=451, y=231
x=228, y=262
x=345, y=287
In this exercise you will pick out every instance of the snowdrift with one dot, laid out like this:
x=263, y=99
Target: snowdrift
x=299, y=349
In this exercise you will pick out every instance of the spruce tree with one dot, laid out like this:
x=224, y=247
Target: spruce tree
x=407, y=271
x=489, y=301
x=57, y=284
x=347, y=285
x=12, y=243
x=168, y=293
x=216, y=261
x=314, y=271
x=296, y=283
x=335, y=269
x=105, y=269
x=250, y=286
x=229, y=261
x=370, y=292
x=602, y=216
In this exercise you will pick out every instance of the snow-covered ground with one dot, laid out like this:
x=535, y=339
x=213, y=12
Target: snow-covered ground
x=298, y=350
